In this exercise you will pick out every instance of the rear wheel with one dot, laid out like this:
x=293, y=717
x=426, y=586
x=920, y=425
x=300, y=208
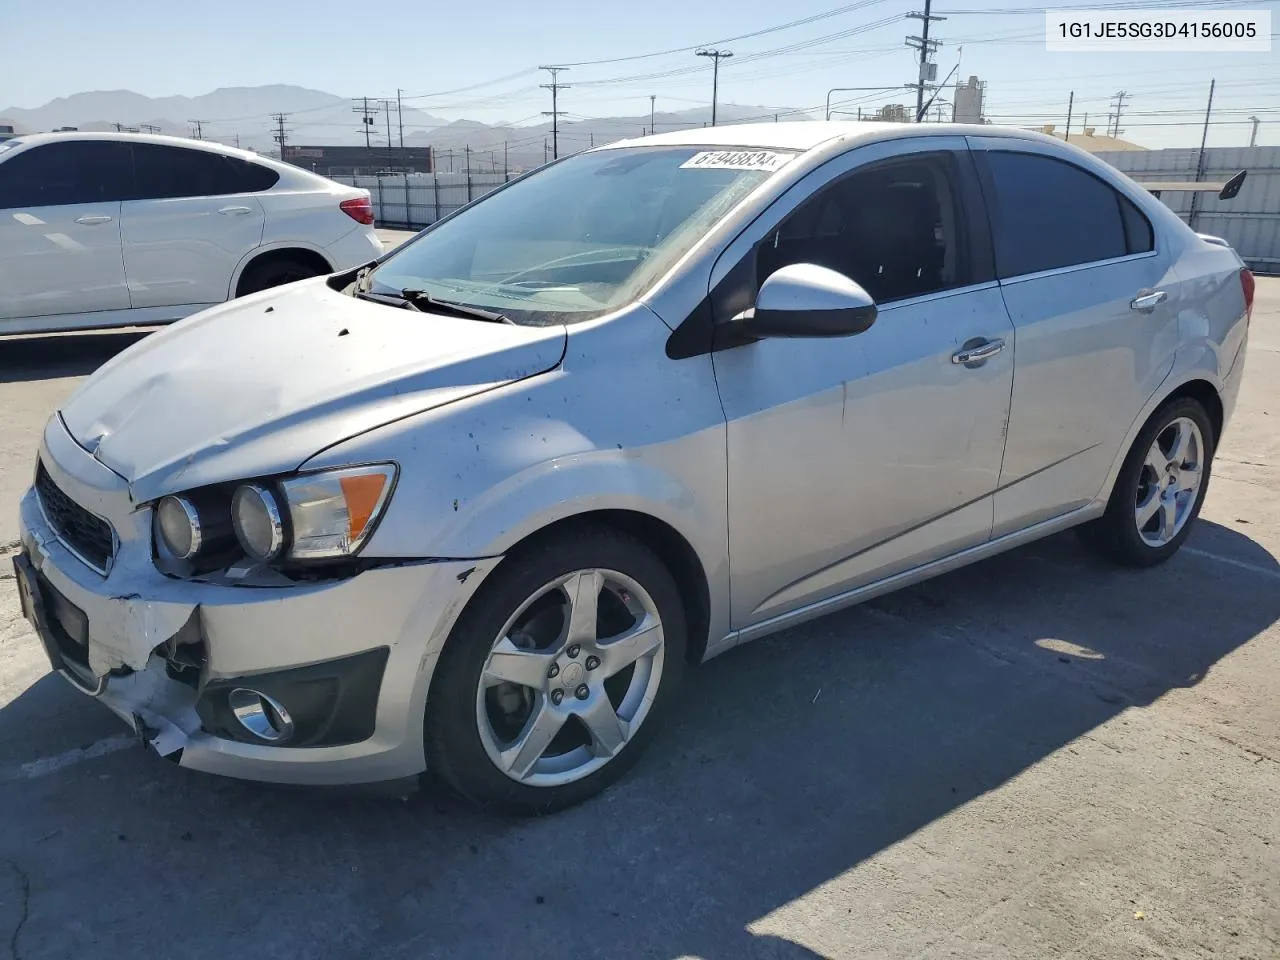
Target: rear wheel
x=1160, y=488
x=557, y=673
x=275, y=271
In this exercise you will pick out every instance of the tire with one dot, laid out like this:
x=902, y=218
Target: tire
x=273, y=272
x=473, y=727
x=1118, y=533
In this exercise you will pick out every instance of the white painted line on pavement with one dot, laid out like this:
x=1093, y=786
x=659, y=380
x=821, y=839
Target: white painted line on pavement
x=35, y=769
x=1251, y=567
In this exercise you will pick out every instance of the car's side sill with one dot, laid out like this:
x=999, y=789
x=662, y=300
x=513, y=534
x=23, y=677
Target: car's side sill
x=871, y=590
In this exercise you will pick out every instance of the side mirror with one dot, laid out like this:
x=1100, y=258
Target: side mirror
x=806, y=300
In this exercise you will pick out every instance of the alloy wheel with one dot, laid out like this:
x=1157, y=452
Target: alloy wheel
x=570, y=678
x=1169, y=482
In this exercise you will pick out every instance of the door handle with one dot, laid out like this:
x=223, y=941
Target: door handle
x=234, y=211
x=1148, y=301
x=979, y=353
x=92, y=221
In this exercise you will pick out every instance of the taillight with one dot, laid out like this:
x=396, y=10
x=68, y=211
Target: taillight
x=1247, y=283
x=360, y=209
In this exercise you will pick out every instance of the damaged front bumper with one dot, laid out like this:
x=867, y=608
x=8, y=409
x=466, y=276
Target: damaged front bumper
x=352, y=658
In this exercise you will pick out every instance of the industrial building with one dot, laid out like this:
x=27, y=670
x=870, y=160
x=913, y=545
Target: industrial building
x=333, y=161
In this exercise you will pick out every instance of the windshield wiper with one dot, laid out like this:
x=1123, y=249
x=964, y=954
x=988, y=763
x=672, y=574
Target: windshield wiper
x=420, y=299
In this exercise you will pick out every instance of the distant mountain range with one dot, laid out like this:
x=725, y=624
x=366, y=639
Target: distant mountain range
x=242, y=114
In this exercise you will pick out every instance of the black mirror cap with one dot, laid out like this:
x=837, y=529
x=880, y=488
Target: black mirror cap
x=1232, y=186
x=840, y=322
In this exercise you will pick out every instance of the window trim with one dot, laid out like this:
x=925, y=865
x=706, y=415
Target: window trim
x=987, y=181
x=699, y=332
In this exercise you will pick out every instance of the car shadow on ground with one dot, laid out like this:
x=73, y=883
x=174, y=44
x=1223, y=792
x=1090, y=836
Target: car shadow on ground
x=792, y=760
x=51, y=357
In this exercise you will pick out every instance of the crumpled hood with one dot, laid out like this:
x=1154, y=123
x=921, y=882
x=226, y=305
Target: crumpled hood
x=259, y=385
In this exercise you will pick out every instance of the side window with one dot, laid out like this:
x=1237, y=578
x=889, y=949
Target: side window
x=894, y=228
x=1138, y=235
x=1048, y=213
x=57, y=174
x=249, y=177
x=165, y=172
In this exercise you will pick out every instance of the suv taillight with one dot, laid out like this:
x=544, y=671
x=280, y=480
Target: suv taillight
x=360, y=209
x=1247, y=283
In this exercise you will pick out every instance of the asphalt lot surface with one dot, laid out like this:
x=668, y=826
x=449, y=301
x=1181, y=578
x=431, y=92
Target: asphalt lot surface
x=1039, y=756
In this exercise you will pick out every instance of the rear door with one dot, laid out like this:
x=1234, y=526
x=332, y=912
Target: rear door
x=194, y=216
x=1094, y=302
x=60, y=229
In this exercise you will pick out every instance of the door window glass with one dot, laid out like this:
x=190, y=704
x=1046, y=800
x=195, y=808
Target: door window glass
x=165, y=172
x=1049, y=213
x=71, y=172
x=893, y=228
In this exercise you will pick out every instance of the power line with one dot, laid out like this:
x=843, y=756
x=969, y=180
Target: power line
x=716, y=56
x=555, y=87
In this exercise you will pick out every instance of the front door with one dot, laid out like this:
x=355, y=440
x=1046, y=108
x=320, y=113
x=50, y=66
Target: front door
x=855, y=458
x=60, y=230
x=190, y=226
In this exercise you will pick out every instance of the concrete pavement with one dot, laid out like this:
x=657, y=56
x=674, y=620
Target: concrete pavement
x=1039, y=756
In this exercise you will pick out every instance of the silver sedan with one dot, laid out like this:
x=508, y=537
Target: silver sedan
x=472, y=508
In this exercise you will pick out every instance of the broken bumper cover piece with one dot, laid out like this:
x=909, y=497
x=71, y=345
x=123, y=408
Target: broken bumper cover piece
x=352, y=657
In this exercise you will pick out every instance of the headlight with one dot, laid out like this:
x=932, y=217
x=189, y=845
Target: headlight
x=178, y=527
x=258, y=523
x=332, y=513
x=321, y=516
x=192, y=525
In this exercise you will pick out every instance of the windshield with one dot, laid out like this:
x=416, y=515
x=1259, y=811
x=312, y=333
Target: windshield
x=581, y=237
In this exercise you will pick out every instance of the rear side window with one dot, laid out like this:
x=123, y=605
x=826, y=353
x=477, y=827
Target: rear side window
x=1048, y=213
x=165, y=172
x=58, y=174
x=1138, y=235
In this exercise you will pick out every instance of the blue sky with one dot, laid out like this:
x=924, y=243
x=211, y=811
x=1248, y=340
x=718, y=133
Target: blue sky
x=162, y=49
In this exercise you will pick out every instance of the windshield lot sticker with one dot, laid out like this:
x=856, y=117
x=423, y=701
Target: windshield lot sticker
x=738, y=160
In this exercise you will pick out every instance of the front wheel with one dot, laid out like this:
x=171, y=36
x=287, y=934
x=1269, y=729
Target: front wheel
x=1159, y=489
x=557, y=673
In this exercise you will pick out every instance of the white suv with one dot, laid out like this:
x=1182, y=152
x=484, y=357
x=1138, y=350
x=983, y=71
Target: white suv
x=109, y=229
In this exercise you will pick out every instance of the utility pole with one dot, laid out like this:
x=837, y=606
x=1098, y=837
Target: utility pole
x=716, y=56
x=653, y=100
x=1071, y=102
x=400, y=115
x=366, y=118
x=926, y=47
x=1253, y=136
x=1118, y=106
x=1204, y=139
x=197, y=129
x=555, y=113
x=281, y=134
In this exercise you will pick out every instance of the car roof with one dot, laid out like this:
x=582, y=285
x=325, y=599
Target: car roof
x=61, y=136
x=809, y=134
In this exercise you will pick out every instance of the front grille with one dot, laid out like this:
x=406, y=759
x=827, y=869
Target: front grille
x=89, y=536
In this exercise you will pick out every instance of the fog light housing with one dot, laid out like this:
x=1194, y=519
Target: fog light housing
x=262, y=716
